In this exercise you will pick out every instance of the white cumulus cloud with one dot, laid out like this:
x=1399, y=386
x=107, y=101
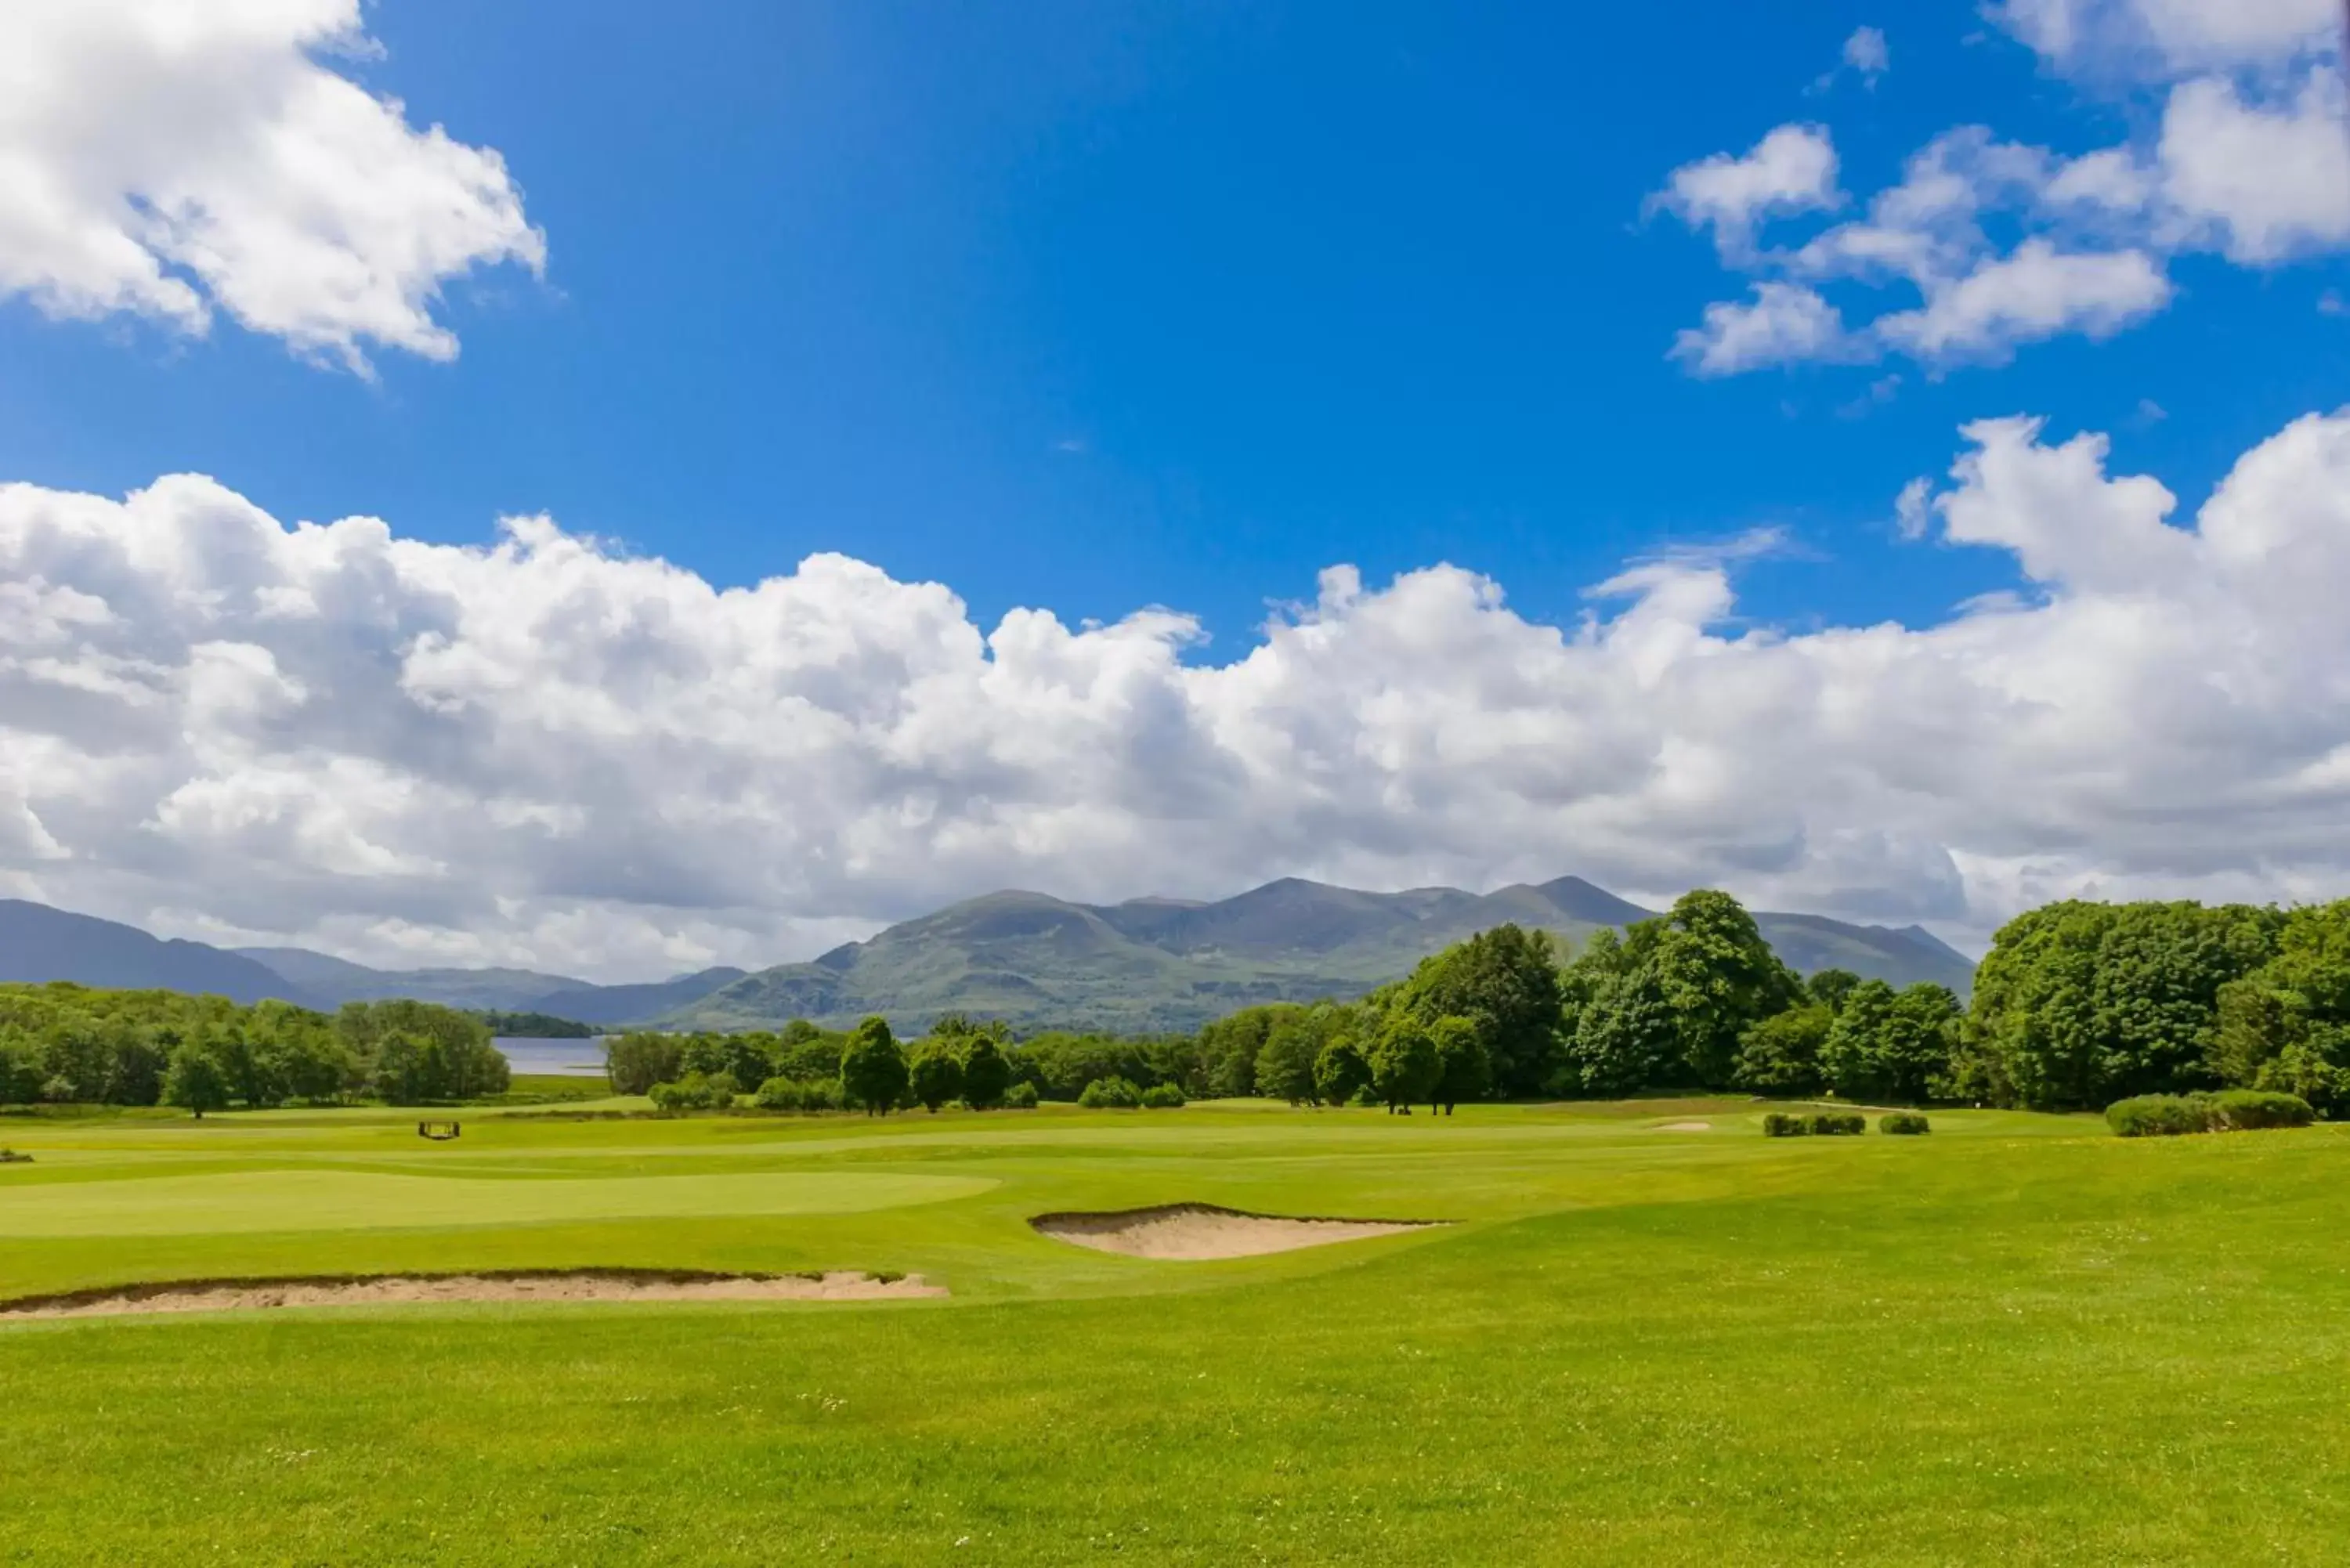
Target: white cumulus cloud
x=1792, y=170
x=541, y=752
x=2171, y=38
x=1865, y=52
x=2037, y=292
x=2245, y=153
x=1783, y=322
x=171, y=161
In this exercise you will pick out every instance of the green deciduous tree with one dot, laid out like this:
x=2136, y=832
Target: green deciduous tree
x=1616, y=1030
x=1285, y=1065
x=1464, y=1071
x=873, y=1067
x=934, y=1072
x=194, y=1079
x=1339, y=1070
x=1781, y=1054
x=986, y=1073
x=1403, y=1064
x=1718, y=978
x=1505, y=982
x=1891, y=1046
x=2081, y=1004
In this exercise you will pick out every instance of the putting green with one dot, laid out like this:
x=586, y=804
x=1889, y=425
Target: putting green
x=259, y=1200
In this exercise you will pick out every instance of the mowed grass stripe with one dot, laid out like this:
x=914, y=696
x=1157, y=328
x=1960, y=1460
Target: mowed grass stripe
x=235, y=1202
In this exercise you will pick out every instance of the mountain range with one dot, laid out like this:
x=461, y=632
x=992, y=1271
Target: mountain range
x=1032, y=960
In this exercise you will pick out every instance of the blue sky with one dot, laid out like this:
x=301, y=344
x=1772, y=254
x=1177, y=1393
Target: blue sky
x=1659, y=370
x=1096, y=306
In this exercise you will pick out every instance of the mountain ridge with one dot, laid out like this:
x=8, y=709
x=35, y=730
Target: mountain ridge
x=1031, y=959
x=1153, y=964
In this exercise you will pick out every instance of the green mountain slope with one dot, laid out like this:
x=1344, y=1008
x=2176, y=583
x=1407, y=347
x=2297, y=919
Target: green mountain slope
x=1039, y=962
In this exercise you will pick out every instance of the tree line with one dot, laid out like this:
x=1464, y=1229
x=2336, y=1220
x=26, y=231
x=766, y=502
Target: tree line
x=71, y=1043
x=2077, y=1005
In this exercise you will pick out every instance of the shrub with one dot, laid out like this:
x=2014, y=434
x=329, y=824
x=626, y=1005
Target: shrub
x=2159, y=1116
x=1019, y=1097
x=696, y=1092
x=800, y=1094
x=1110, y=1093
x=1780, y=1124
x=2244, y=1109
x=1161, y=1097
x=1902, y=1122
x=1837, y=1123
x=10, y=1157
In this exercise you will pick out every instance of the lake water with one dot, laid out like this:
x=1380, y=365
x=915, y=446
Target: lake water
x=567, y=1058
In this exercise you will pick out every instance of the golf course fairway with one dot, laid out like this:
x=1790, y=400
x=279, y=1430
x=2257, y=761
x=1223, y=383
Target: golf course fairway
x=1647, y=1335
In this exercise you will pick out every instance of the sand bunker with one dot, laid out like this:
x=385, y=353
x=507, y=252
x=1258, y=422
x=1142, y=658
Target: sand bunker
x=397, y=1290
x=1685, y=1126
x=1196, y=1231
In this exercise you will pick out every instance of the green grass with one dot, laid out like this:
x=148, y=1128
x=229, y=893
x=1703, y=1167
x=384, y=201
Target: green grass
x=2021, y=1340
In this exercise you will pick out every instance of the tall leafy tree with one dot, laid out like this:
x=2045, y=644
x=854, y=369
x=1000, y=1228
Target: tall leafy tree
x=1285, y=1065
x=1719, y=978
x=2286, y=1025
x=1781, y=1054
x=934, y=1073
x=1339, y=1070
x=873, y=1067
x=1505, y=982
x=1891, y=1046
x=194, y=1079
x=1617, y=1031
x=986, y=1074
x=1403, y=1064
x=1463, y=1071
x=2080, y=1004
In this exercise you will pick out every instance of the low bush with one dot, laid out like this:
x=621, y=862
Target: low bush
x=1902, y=1123
x=10, y=1157
x=1780, y=1124
x=2240, y=1110
x=1110, y=1095
x=1020, y=1098
x=800, y=1094
x=696, y=1092
x=1162, y=1097
x=2159, y=1116
x=1837, y=1123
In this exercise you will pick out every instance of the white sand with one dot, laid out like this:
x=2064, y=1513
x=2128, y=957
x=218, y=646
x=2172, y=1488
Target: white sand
x=393, y=1290
x=1685, y=1126
x=1196, y=1232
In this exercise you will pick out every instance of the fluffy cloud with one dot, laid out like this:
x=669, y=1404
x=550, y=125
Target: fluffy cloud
x=544, y=751
x=2037, y=292
x=1792, y=170
x=1865, y=52
x=1784, y=323
x=2169, y=37
x=2262, y=184
x=170, y=160
x=2251, y=161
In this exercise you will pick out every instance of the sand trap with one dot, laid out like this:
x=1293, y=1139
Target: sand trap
x=1196, y=1231
x=397, y=1290
x=1686, y=1126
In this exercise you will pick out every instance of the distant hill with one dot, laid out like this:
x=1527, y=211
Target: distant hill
x=337, y=980
x=1030, y=959
x=38, y=944
x=1037, y=961
x=628, y=1003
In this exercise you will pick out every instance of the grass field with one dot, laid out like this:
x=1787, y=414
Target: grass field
x=2016, y=1339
